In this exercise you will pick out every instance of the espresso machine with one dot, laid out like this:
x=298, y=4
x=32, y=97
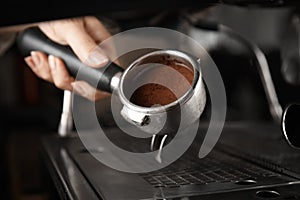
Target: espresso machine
x=252, y=151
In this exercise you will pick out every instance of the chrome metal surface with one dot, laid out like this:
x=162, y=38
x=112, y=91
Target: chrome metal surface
x=114, y=84
x=264, y=72
x=66, y=120
x=290, y=132
x=159, y=152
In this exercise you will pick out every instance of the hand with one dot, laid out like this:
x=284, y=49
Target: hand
x=83, y=36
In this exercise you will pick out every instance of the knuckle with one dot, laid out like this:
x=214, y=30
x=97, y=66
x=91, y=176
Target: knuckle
x=63, y=83
x=45, y=77
x=42, y=75
x=60, y=84
x=90, y=97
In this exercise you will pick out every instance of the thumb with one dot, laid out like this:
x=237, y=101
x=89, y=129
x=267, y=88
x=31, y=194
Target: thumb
x=86, y=48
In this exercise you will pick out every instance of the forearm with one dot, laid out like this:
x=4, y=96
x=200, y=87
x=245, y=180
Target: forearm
x=6, y=40
x=8, y=35
x=16, y=28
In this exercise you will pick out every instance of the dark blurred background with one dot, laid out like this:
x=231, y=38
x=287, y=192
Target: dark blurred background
x=30, y=107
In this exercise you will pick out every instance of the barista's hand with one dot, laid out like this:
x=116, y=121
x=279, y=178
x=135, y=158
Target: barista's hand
x=82, y=35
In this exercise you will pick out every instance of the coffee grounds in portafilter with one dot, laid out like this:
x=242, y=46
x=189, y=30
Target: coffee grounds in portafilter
x=151, y=94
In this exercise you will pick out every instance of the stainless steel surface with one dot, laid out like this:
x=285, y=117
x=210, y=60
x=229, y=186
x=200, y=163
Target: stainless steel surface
x=67, y=177
x=264, y=72
x=159, y=152
x=93, y=180
x=290, y=125
x=115, y=81
x=66, y=120
x=192, y=24
x=290, y=53
x=152, y=142
x=136, y=118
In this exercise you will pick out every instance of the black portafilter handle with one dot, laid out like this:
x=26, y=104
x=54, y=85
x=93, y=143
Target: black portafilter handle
x=33, y=39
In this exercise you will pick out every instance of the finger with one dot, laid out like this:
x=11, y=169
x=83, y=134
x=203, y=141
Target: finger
x=99, y=33
x=73, y=32
x=85, y=47
x=38, y=63
x=96, y=29
x=86, y=90
x=29, y=61
x=60, y=75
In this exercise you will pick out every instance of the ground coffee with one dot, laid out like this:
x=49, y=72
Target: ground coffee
x=152, y=94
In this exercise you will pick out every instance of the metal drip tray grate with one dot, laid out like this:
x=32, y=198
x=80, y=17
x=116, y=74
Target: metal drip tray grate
x=216, y=168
